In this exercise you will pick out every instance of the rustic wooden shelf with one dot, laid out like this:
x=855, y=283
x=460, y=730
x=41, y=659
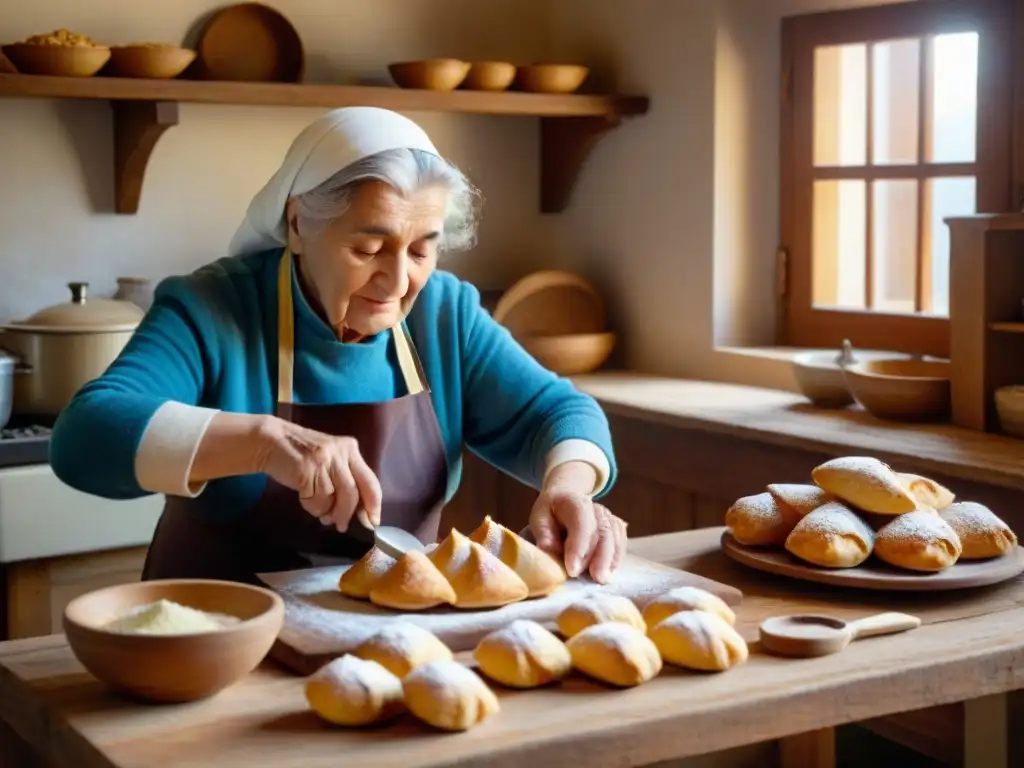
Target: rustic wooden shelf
x=571, y=125
x=1007, y=327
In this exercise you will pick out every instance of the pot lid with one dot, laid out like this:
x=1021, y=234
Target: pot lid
x=83, y=314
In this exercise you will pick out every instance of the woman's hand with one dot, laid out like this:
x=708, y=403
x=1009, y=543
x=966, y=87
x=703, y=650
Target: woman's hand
x=595, y=539
x=329, y=474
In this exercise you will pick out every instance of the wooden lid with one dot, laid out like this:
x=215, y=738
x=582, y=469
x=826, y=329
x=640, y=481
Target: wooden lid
x=253, y=43
x=551, y=302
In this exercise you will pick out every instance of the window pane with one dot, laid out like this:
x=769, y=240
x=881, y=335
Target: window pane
x=954, y=98
x=840, y=105
x=895, y=98
x=839, y=244
x=894, y=245
x=944, y=198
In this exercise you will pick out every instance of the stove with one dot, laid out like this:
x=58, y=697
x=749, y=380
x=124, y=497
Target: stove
x=25, y=441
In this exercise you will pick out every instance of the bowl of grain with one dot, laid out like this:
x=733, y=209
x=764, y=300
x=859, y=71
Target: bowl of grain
x=173, y=640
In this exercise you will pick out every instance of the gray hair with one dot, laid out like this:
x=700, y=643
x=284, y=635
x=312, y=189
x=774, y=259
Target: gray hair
x=406, y=170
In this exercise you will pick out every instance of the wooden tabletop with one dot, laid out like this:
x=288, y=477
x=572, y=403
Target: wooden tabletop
x=970, y=645
x=785, y=419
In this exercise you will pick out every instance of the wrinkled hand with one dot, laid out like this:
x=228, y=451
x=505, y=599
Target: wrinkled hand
x=594, y=538
x=329, y=474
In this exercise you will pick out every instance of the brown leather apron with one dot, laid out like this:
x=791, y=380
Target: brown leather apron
x=400, y=440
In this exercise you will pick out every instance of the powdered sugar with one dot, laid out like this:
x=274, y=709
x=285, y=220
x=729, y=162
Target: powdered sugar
x=761, y=506
x=835, y=519
x=378, y=563
x=968, y=518
x=445, y=676
x=612, y=634
x=401, y=638
x=803, y=498
x=522, y=635
x=319, y=620
x=700, y=631
x=602, y=607
x=921, y=526
x=350, y=673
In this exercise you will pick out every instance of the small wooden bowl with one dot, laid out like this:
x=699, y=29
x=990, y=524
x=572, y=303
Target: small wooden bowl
x=174, y=668
x=551, y=78
x=902, y=389
x=820, y=378
x=570, y=355
x=430, y=74
x=57, y=60
x=1010, y=408
x=490, y=76
x=156, y=62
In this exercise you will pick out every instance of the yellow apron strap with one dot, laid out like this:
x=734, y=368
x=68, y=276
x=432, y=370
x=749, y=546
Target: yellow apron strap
x=414, y=381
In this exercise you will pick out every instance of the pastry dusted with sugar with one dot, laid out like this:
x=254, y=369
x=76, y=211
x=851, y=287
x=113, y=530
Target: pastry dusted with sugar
x=449, y=696
x=352, y=691
x=480, y=579
x=918, y=541
x=686, y=599
x=358, y=580
x=412, y=584
x=615, y=653
x=541, y=572
x=926, y=492
x=866, y=483
x=759, y=521
x=799, y=499
x=402, y=646
x=832, y=536
x=982, y=533
x=523, y=655
x=599, y=608
x=698, y=640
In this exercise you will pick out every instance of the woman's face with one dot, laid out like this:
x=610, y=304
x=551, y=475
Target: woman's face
x=365, y=269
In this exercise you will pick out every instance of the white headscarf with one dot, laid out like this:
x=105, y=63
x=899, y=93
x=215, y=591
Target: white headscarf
x=326, y=146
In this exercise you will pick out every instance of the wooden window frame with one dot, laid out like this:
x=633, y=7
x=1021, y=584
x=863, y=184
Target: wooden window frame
x=803, y=324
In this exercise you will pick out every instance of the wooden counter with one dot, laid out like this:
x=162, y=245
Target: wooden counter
x=787, y=420
x=970, y=646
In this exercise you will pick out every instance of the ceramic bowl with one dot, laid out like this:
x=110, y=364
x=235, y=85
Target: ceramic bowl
x=430, y=74
x=902, y=389
x=820, y=378
x=570, y=354
x=174, y=668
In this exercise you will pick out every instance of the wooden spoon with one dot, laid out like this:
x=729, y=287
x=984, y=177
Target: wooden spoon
x=810, y=635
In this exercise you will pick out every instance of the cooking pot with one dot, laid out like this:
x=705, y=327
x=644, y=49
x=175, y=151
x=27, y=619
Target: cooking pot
x=65, y=346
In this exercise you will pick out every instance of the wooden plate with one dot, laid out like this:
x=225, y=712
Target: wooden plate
x=251, y=42
x=874, y=574
x=549, y=303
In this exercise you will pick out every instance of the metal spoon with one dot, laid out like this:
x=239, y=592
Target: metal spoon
x=389, y=539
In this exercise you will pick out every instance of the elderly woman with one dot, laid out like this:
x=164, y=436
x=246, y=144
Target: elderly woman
x=326, y=376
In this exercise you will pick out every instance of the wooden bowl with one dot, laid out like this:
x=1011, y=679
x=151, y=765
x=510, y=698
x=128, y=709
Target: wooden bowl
x=551, y=78
x=57, y=60
x=902, y=389
x=174, y=668
x=156, y=62
x=490, y=76
x=1010, y=407
x=551, y=302
x=820, y=378
x=572, y=354
x=251, y=42
x=429, y=74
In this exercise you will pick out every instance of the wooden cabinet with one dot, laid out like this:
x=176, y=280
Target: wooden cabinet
x=36, y=591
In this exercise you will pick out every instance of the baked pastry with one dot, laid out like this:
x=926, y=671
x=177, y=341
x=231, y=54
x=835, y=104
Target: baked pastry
x=402, y=646
x=698, y=640
x=598, y=608
x=352, y=691
x=866, y=483
x=918, y=541
x=832, y=536
x=541, y=572
x=686, y=599
x=523, y=655
x=759, y=521
x=615, y=653
x=448, y=695
x=358, y=580
x=412, y=584
x=926, y=491
x=480, y=580
x=799, y=499
x=982, y=534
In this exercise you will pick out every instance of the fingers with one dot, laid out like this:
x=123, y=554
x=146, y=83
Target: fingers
x=367, y=486
x=346, y=495
x=317, y=495
x=621, y=541
x=576, y=514
x=604, y=548
x=545, y=529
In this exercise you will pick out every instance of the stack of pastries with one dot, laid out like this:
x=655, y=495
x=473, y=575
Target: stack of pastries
x=858, y=506
x=604, y=636
x=490, y=568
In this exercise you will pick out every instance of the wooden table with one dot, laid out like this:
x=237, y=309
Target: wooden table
x=958, y=655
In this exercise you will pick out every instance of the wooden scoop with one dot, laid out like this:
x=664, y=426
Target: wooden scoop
x=810, y=635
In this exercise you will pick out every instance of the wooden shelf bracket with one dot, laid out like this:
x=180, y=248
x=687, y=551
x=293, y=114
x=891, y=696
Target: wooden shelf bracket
x=138, y=125
x=565, y=145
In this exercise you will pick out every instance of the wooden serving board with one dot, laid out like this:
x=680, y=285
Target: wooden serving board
x=321, y=623
x=874, y=574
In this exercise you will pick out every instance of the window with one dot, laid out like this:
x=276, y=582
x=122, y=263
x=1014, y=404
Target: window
x=894, y=118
